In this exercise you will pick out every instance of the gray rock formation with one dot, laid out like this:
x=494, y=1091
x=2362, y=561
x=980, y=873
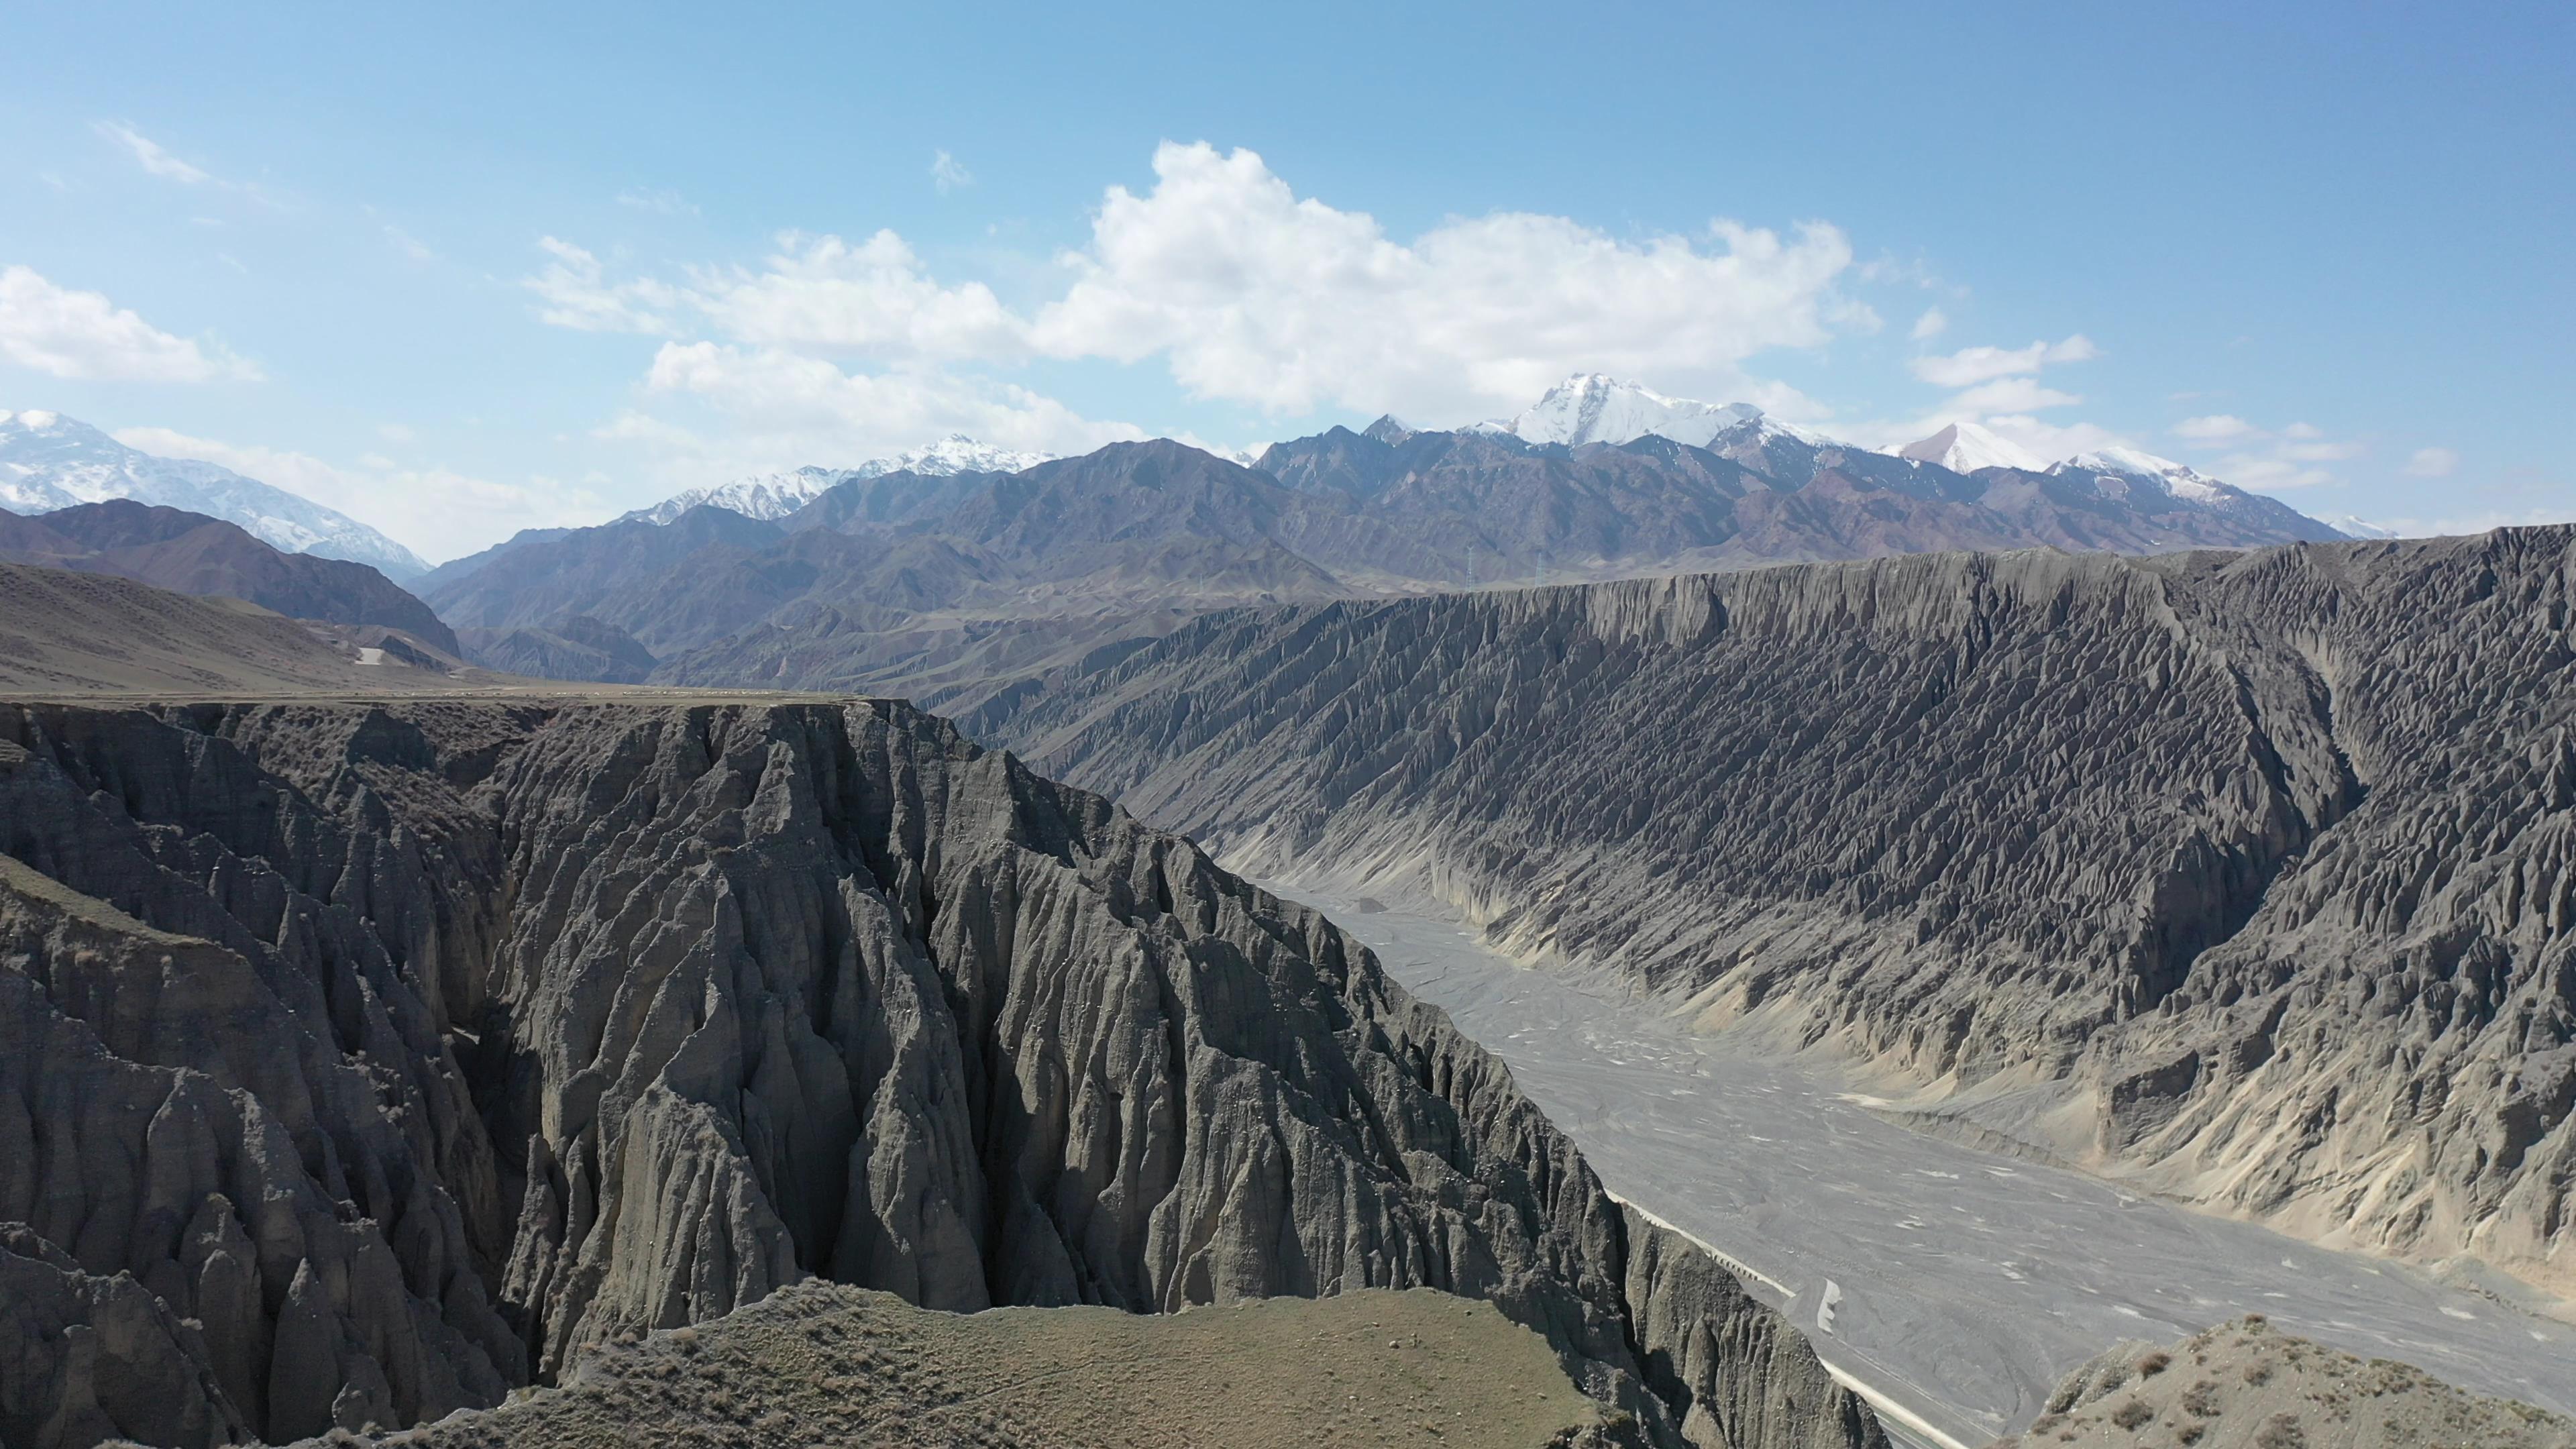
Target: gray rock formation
x=2245, y=877
x=360, y=1062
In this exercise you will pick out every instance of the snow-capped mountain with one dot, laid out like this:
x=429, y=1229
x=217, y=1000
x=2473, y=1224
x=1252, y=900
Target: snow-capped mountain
x=1966, y=447
x=2179, y=479
x=2352, y=525
x=775, y=495
x=763, y=495
x=48, y=461
x=1592, y=408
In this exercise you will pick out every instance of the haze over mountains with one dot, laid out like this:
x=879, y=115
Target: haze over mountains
x=48, y=461
x=941, y=579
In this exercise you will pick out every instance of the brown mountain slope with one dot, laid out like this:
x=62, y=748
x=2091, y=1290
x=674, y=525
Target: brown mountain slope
x=193, y=554
x=77, y=634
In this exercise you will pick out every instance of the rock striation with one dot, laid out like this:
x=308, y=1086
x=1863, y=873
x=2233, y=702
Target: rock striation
x=361, y=1062
x=2250, y=878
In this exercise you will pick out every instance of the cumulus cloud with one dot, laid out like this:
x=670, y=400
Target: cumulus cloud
x=2433, y=463
x=1251, y=294
x=1931, y=324
x=871, y=299
x=439, y=512
x=83, y=335
x=1972, y=365
x=947, y=175
x=151, y=156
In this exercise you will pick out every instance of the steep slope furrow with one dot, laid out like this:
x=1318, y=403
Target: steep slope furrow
x=411, y=1050
x=2081, y=846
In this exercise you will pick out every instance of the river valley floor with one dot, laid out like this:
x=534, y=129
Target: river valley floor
x=1952, y=1285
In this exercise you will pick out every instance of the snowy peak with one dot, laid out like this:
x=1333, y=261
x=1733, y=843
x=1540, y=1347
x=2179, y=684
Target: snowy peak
x=1389, y=430
x=951, y=455
x=1967, y=447
x=1593, y=408
x=2179, y=479
x=775, y=495
x=763, y=495
x=49, y=461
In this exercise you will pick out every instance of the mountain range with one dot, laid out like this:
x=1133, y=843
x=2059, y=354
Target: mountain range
x=944, y=582
x=48, y=462
x=775, y=495
x=190, y=553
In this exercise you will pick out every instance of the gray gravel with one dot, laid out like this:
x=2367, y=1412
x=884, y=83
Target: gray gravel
x=1957, y=1283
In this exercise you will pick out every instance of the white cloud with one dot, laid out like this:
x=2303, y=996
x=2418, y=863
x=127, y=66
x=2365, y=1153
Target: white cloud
x=873, y=299
x=2053, y=441
x=772, y=408
x=2265, y=460
x=2214, y=428
x=83, y=335
x=438, y=512
x=2011, y=395
x=409, y=245
x=947, y=175
x=1931, y=324
x=577, y=294
x=2433, y=463
x=2268, y=472
x=150, y=155
x=1972, y=365
x=1250, y=294
x=1254, y=295
x=2320, y=452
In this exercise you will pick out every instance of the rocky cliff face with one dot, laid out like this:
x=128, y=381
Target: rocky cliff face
x=358, y=1063
x=2246, y=876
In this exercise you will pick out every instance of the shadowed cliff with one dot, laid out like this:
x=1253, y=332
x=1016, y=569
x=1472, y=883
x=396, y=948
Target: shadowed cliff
x=359, y=1063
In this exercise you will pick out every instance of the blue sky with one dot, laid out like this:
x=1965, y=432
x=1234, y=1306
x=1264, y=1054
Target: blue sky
x=467, y=271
